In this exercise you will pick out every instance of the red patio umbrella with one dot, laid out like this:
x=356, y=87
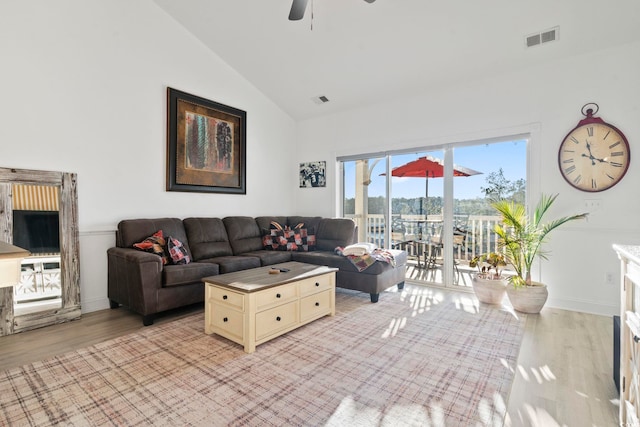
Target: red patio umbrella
x=428, y=167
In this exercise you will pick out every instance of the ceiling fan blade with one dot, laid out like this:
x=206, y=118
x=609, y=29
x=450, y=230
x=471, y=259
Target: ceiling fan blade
x=297, y=10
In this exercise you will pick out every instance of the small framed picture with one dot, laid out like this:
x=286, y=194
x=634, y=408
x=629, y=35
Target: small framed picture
x=313, y=174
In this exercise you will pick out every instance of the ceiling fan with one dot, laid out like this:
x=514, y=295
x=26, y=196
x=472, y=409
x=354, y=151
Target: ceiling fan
x=299, y=6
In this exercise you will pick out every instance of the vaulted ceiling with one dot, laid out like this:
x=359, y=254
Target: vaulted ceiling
x=356, y=53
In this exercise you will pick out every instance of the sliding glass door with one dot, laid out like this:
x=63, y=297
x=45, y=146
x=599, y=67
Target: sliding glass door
x=417, y=212
x=502, y=167
x=434, y=204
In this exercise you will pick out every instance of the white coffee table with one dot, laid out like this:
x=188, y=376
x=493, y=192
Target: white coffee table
x=251, y=307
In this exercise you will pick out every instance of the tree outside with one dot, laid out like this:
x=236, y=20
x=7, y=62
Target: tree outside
x=497, y=187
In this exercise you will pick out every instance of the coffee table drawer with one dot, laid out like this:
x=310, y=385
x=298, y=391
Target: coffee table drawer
x=277, y=295
x=229, y=321
x=275, y=319
x=316, y=284
x=315, y=305
x=225, y=296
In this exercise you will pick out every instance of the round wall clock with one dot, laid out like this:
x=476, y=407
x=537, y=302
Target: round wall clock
x=595, y=155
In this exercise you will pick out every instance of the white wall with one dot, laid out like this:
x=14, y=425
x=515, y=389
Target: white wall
x=544, y=101
x=83, y=86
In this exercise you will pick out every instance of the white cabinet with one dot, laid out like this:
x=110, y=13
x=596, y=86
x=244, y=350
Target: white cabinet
x=252, y=318
x=629, y=334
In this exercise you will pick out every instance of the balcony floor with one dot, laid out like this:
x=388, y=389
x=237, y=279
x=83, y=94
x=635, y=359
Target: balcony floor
x=434, y=277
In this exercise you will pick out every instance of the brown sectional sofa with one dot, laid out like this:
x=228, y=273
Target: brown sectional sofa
x=140, y=281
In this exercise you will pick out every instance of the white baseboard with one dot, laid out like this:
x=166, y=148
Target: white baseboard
x=94, y=305
x=584, y=306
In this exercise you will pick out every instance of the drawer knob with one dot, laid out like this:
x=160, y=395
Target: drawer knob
x=224, y=297
x=278, y=295
x=317, y=283
x=278, y=318
x=226, y=319
x=317, y=304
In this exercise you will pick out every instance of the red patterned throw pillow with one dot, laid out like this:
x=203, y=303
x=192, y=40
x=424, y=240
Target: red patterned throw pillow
x=273, y=239
x=301, y=239
x=177, y=251
x=154, y=244
x=296, y=239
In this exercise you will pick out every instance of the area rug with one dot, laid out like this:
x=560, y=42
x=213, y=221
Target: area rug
x=414, y=358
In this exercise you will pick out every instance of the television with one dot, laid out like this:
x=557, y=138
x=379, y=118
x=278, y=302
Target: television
x=37, y=231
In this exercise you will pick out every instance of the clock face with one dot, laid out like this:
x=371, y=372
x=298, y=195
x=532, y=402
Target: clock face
x=594, y=157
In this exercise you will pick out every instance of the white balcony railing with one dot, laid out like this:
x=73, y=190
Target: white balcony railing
x=477, y=231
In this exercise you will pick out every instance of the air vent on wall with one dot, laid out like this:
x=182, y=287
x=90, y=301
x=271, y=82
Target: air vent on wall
x=542, y=37
x=320, y=99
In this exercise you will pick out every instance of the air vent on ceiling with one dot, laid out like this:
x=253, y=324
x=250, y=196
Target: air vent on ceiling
x=545, y=36
x=320, y=99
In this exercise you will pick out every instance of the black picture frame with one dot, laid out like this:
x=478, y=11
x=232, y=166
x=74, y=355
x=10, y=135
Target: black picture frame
x=206, y=145
x=313, y=174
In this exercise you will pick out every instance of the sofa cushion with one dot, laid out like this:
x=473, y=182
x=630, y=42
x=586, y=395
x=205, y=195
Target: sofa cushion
x=324, y=258
x=310, y=222
x=331, y=259
x=229, y=264
x=244, y=234
x=178, y=275
x=270, y=257
x=207, y=238
x=334, y=232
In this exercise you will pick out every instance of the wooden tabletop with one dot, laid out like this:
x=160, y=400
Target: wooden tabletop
x=256, y=279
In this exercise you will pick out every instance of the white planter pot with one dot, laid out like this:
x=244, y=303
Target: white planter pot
x=489, y=291
x=528, y=299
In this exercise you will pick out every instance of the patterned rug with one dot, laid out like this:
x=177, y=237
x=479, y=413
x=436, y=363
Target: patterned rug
x=414, y=358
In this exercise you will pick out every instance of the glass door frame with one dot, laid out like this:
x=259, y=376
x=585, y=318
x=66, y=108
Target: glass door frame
x=529, y=134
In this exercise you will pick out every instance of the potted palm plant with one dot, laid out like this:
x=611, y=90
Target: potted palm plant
x=489, y=286
x=521, y=237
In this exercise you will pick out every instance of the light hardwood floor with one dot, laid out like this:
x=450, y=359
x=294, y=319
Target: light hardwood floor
x=563, y=378
x=565, y=372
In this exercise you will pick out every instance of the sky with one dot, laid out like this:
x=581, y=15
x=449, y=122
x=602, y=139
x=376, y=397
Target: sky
x=485, y=158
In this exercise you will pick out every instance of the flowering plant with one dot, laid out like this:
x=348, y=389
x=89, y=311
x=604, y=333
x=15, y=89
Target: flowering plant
x=486, y=262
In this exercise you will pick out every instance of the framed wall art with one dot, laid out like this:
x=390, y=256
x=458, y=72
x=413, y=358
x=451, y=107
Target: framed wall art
x=313, y=174
x=206, y=145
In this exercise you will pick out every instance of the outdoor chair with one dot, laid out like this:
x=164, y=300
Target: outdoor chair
x=434, y=249
x=399, y=240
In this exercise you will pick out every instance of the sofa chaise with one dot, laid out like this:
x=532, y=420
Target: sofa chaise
x=143, y=282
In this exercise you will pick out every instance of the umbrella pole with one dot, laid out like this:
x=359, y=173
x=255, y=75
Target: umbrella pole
x=426, y=197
